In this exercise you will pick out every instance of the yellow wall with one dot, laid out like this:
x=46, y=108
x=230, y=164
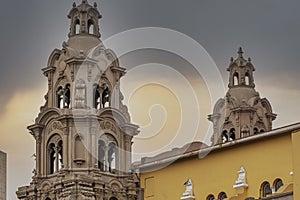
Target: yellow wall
x=296, y=163
x=264, y=160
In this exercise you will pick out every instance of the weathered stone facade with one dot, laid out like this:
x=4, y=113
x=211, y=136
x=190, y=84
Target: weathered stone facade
x=83, y=132
x=242, y=112
x=3, y=165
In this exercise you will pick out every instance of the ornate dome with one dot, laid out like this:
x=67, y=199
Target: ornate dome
x=242, y=112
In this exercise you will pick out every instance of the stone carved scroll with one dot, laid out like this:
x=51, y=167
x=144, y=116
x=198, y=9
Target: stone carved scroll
x=56, y=125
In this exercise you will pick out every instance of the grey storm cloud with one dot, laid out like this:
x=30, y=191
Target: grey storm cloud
x=268, y=30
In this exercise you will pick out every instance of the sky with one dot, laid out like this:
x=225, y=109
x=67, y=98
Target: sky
x=267, y=30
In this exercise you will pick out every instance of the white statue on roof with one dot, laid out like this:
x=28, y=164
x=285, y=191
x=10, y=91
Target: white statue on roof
x=188, y=194
x=241, y=181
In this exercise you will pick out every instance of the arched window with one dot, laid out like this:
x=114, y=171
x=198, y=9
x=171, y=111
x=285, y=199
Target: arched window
x=91, y=27
x=277, y=184
x=112, y=150
x=265, y=189
x=262, y=130
x=101, y=154
x=247, y=79
x=55, y=154
x=235, y=78
x=107, y=153
x=255, y=131
x=60, y=97
x=106, y=98
x=210, y=197
x=232, y=134
x=97, y=99
x=47, y=198
x=113, y=198
x=63, y=97
x=224, y=136
x=222, y=196
x=77, y=26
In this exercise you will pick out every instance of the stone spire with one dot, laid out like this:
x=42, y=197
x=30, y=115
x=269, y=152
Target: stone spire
x=242, y=112
x=240, y=52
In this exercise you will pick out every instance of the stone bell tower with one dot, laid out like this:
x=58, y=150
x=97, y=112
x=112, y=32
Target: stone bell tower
x=83, y=132
x=242, y=112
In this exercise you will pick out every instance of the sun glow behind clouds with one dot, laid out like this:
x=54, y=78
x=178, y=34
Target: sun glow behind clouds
x=19, y=145
x=171, y=109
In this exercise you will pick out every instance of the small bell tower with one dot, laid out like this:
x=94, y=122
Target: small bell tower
x=83, y=132
x=84, y=20
x=242, y=112
x=241, y=72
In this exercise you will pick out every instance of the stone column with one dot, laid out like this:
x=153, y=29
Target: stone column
x=69, y=147
x=94, y=147
x=127, y=153
x=36, y=131
x=65, y=149
x=89, y=149
x=105, y=161
x=57, y=158
x=129, y=130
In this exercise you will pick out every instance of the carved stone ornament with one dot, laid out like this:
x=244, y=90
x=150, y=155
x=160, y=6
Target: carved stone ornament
x=89, y=72
x=38, y=138
x=80, y=94
x=56, y=125
x=72, y=71
x=115, y=187
x=241, y=181
x=108, y=126
x=188, y=194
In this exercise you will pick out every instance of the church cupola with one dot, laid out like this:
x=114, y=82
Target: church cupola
x=242, y=112
x=83, y=132
x=84, y=19
x=241, y=71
